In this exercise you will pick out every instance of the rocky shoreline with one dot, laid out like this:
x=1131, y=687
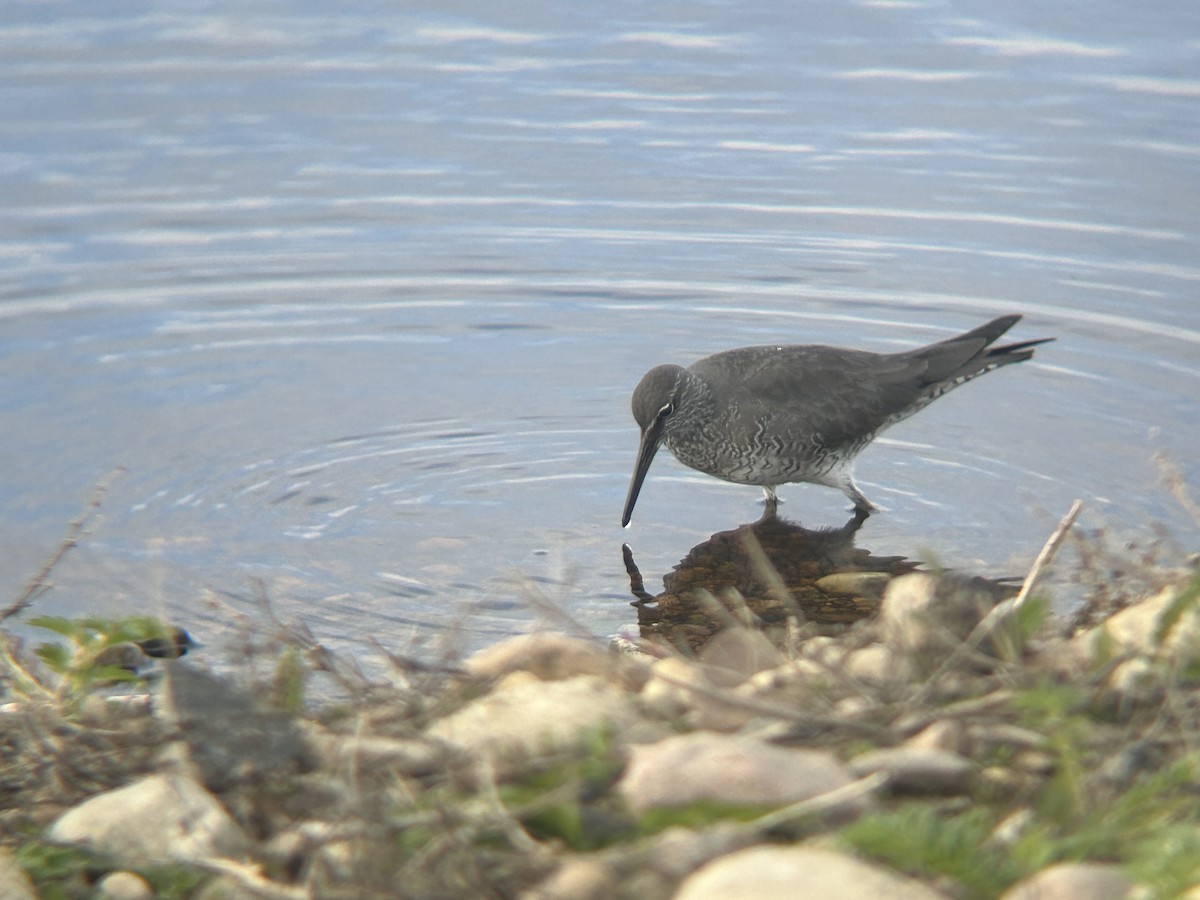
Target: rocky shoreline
x=945, y=746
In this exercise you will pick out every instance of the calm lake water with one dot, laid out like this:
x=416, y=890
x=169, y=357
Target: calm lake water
x=358, y=296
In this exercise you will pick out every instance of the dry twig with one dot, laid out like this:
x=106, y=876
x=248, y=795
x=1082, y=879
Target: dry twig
x=75, y=530
x=1047, y=553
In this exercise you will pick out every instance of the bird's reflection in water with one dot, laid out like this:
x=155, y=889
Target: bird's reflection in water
x=764, y=575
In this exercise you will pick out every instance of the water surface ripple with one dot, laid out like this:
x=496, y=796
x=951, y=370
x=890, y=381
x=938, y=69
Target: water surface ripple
x=358, y=297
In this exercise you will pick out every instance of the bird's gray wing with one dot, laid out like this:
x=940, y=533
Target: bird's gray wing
x=805, y=393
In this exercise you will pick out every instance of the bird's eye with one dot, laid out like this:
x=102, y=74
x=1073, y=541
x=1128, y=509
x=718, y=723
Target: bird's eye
x=666, y=411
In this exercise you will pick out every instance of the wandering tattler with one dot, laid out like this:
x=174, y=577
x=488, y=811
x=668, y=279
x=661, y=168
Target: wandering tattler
x=775, y=415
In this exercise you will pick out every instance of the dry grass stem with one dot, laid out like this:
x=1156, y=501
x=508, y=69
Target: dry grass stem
x=1046, y=555
x=75, y=530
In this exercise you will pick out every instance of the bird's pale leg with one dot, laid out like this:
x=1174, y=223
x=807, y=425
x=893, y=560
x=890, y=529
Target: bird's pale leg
x=771, y=501
x=862, y=505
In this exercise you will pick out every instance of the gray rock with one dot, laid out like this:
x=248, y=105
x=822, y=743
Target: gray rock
x=229, y=735
x=159, y=818
x=1074, y=881
x=788, y=873
x=737, y=770
x=918, y=770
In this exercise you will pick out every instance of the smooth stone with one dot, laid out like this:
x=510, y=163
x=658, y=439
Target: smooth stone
x=728, y=769
x=1074, y=881
x=682, y=688
x=737, y=653
x=158, y=818
x=576, y=879
x=797, y=674
x=679, y=687
x=529, y=718
x=948, y=735
x=366, y=751
x=548, y=656
x=1136, y=629
x=1002, y=734
x=923, y=613
x=918, y=770
x=854, y=584
x=877, y=664
x=1138, y=676
x=786, y=873
x=667, y=693
x=14, y=883
x=124, y=886
x=677, y=851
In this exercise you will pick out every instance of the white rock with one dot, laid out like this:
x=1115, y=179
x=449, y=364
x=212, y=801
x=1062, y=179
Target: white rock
x=788, y=873
x=854, y=584
x=667, y=692
x=877, y=664
x=798, y=673
x=533, y=717
x=123, y=886
x=679, y=686
x=823, y=649
x=732, y=769
x=734, y=654
x=923, y=613
x=159, y=818
x=576, y=879
x=1138, y=678
x=1074, y=881
x=676, y=852
x=14, y=883
x=946, y=734
x=546, y=655
x=359, y=751
x=1145, y=628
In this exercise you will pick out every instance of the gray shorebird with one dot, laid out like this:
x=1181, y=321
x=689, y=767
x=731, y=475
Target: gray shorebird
x=775, y=415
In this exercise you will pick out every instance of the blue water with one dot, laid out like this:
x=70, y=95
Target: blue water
x=358, y=296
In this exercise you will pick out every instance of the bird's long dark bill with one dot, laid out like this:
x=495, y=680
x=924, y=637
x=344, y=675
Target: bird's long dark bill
x=646, y=451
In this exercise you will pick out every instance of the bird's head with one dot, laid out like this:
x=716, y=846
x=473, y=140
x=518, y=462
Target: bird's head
x=655, y=400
